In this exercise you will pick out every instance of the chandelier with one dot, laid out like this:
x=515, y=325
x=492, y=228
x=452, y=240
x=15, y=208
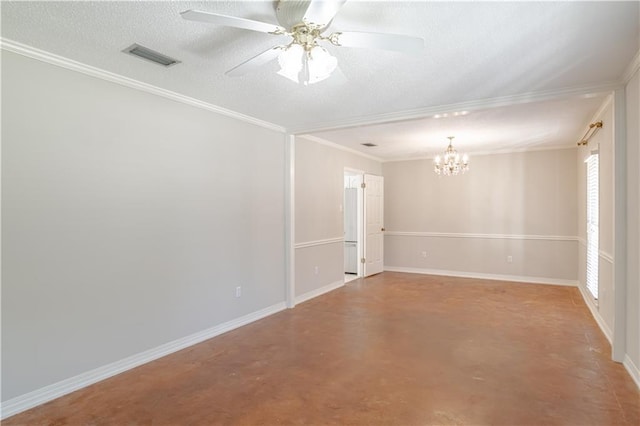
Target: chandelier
x=451, y=164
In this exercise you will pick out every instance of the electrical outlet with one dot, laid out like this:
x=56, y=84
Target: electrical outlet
x=316, y=270
x=424, y=254
x=238, y=291
x=509, y=259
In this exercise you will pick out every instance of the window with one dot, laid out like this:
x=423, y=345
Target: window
x=593, y=206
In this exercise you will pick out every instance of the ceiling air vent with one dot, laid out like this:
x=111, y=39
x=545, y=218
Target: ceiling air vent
x=150, y=55
x=369, y=144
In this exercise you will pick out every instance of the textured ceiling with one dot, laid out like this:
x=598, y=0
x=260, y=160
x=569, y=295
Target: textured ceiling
x=473, y=51
x=526, y=126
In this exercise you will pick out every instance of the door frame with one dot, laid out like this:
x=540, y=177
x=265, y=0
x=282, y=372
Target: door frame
x=360, y=218
x=367, y=253
x=290, y=219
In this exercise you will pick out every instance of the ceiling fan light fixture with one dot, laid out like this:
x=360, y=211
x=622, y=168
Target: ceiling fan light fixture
x=290, y=61
x=320, y=64
x=315, y=64
x=305, y=21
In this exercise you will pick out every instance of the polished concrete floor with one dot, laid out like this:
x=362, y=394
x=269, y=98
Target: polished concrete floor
x=393, y=349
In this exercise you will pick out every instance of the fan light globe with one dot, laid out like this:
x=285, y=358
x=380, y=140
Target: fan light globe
x=321, y=64
x=290, y=61
x=317, y=64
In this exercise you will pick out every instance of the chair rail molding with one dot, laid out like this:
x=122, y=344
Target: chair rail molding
x=482, y=236
x=319, y=242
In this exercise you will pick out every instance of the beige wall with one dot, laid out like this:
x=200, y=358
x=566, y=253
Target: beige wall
x=128, y=221
x=319, y=194
x=520, y=204
x=633, y=221
x=602, y=141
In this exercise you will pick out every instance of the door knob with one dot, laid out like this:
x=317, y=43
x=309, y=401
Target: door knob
x=382, y=229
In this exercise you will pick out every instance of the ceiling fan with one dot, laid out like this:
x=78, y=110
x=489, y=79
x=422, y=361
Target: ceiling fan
x=304, y=60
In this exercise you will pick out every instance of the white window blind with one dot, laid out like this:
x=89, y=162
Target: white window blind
x=593, y=207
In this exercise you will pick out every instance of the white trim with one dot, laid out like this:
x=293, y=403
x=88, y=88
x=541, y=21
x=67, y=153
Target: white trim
x=356, y=171
x=606, y=256
x=319, y=291
x=290, y=219
x=633, y=67
x=50, y=58
x=483, y=236
x=502, y=101
x=490, y=152
x=482, y=276
x=591, y=304
x=633, y=369
x=319, y=242
x=360, y=218
x=619, y=131
x=56, y=390
x=325, y=142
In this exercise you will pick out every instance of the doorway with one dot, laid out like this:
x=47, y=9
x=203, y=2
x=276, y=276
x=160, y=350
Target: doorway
x=353, y=224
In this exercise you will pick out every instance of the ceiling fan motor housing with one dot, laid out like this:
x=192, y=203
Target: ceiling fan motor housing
x=290, y=13
x=305, y=36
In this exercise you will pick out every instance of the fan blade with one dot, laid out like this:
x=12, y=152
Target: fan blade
x=255, y=62
x=232, y=21
x=397, y=42
x=321, y=12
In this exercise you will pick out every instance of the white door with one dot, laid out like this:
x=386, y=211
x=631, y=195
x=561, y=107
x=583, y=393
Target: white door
x=373, y=224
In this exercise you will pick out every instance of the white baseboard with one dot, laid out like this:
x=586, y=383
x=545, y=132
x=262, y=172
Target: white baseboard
x=588, y=300
x=633, y=370
x=497, y=277
x=319, y=291
x=56, y=390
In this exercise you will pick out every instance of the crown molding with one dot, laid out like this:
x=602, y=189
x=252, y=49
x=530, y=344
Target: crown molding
x=490, y=152
x=339, y=147
x=480, y=104
x=633, y=67
x=50, y=58
x=41, y=55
